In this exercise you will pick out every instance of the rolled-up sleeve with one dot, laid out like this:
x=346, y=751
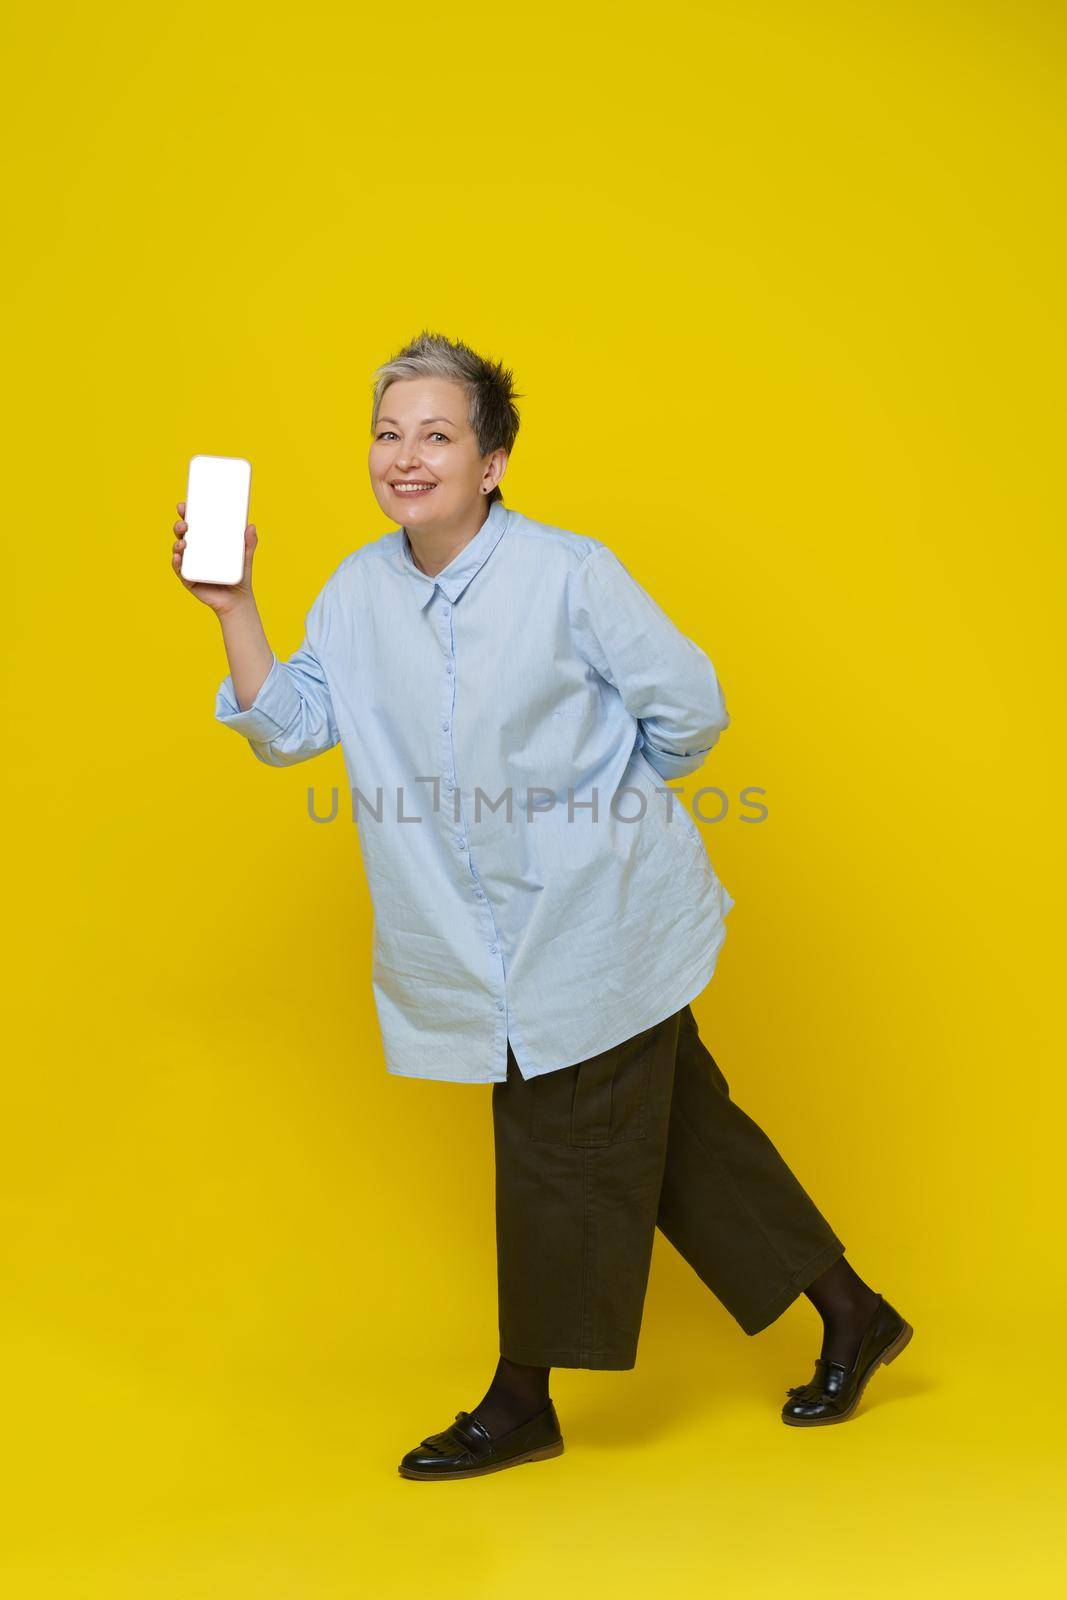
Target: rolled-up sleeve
x=666, y=681
x=291, y=719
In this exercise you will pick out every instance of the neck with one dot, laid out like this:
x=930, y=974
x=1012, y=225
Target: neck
x=433, y=548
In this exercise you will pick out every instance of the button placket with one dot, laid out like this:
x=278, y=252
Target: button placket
x=448, y=750
x=448, y=764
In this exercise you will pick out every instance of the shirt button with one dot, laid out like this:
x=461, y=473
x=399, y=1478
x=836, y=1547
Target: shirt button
x=444, y=727
x=494, y=949
x=449, y=669
x=500, y=1005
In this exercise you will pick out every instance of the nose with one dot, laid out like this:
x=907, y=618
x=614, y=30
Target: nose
x=406, y=459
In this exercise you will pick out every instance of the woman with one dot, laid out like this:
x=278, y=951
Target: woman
x=544, y=911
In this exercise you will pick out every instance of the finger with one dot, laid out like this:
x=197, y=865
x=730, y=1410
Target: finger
x=181, y=508
x=180, y=527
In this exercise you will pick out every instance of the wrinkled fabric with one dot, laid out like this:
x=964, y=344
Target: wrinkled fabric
x=509, y=730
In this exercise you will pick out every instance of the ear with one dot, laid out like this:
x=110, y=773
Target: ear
x=497, y=463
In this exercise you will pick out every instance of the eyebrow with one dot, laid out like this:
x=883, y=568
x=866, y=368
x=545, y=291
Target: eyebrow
x=424, y=421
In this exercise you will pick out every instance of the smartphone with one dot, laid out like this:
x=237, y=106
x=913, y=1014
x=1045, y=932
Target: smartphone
x=216, y=511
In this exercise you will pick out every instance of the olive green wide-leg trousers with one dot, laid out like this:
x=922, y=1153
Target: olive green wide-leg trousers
x=592, y=1158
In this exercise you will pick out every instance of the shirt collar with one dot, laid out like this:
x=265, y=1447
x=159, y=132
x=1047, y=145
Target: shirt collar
x=454, y=578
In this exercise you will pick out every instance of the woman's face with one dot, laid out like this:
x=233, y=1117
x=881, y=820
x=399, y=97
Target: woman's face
x=423, y=437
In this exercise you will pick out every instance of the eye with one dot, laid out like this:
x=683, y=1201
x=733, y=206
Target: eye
x=437, y=435
x=385, y=433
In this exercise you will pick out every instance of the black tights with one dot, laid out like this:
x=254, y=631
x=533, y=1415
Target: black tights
x=515, y=1394
x=846, y=1305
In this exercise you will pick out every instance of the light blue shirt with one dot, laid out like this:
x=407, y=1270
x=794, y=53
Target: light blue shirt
x=534, y=670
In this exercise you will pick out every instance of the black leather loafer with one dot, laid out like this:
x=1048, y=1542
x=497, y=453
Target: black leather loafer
x=834, y=1392
x=465, y=1449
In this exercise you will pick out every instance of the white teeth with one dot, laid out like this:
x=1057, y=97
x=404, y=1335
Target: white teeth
x=410, y=488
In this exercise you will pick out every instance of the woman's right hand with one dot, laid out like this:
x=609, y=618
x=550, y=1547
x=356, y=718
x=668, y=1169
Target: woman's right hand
x=221, y=598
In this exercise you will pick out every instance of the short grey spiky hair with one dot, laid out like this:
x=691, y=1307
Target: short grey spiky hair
x=491, y=409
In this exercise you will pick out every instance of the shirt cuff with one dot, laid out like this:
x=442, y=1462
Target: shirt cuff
x=669, y=765
x=276, y=705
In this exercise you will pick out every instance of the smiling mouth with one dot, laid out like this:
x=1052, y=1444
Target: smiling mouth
x=412, y=487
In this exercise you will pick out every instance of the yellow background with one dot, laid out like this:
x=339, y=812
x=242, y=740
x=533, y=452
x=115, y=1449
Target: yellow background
x=782, y=288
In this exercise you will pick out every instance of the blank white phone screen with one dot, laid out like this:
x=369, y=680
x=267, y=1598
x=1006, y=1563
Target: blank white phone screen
x=216, y=510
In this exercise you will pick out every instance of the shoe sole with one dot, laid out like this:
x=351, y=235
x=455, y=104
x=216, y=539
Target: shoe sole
x=890, y=1353
x=494, y=1466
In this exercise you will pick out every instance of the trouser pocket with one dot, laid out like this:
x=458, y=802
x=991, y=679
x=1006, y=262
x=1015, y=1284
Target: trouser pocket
x=602, y=1100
